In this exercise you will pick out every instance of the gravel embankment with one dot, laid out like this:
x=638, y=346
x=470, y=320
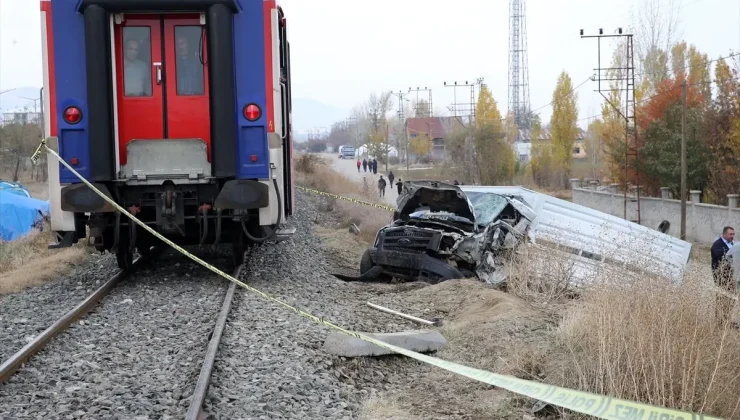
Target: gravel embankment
x=137, y=355
x=26, y=314
x=271, y=364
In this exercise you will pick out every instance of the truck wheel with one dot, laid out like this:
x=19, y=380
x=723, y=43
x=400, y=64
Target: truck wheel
x=366, y=263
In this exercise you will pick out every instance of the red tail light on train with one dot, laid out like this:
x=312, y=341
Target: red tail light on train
x=72, y=115
x=252, y=112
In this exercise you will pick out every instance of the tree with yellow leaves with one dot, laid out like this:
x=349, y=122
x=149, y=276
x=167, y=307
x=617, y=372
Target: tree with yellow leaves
x=420, y=145
x=486, y=110
x=376, y=144
x=723, y=139
x=563, y=127
x=493, y=156
x=540, y=164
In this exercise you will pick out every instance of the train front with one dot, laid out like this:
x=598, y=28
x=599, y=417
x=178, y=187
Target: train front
x=178, y=111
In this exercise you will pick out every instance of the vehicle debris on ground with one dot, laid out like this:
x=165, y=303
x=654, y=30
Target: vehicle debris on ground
x=420, y=341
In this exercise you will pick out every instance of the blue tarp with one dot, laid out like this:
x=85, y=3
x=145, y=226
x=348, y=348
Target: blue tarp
x=14, y=188
x=18, y=214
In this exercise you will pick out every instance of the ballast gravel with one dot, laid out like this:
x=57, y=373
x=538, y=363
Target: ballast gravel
x=26, y=314
x=271, y=364
x=136, y=357
x=139, y=355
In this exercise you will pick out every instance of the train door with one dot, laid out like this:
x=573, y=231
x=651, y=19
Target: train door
x=285, y=86
x=161, y=74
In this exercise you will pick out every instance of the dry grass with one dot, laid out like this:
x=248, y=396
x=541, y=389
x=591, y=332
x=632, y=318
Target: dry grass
x=27, y=262
x=640, y=338
x=314, y=173
x=654, y=342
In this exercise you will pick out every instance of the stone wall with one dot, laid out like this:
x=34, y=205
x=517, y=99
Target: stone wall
x=704, y=222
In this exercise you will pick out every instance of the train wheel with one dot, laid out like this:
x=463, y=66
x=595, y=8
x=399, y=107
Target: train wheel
x=238, y=247
x=124, y=257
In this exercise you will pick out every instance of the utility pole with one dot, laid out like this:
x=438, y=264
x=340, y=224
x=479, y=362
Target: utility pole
x=406, y=137
x=455, y=105
x=402, y=118
x=386, y=147
x=416, y=105
x=620, y=75
x=683, y=159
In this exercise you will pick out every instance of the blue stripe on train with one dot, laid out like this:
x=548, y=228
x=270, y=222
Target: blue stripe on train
x=71, y=88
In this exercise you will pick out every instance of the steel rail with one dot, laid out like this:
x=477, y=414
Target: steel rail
x=12, y=364
x=204, y=379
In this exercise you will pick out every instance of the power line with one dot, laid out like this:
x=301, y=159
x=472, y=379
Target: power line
x=663, y=93
x=571, y=91
x=534, y=111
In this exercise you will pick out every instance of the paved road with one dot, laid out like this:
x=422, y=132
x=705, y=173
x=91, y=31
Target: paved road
x=348, y=167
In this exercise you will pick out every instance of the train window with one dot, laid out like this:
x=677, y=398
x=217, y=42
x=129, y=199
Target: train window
x=137, y=61
x=189, y=48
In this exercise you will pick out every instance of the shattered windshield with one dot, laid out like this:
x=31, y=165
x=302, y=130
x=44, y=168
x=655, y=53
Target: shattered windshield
x=487, y=206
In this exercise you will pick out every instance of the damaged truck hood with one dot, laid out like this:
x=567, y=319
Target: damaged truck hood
x=434, y=196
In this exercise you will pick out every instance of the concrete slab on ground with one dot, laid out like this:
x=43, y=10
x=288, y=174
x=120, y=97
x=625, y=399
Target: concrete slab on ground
x=421, y=341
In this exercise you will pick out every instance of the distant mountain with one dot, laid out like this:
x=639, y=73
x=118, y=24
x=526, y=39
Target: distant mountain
x=310, y=113
x=16, y=99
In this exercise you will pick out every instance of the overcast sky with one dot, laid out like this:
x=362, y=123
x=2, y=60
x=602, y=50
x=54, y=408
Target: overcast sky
x=342, y=50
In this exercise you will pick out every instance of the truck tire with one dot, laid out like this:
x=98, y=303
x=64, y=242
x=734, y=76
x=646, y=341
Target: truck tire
x=366, y=263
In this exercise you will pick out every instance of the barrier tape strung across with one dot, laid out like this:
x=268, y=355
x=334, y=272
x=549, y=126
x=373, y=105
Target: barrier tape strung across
x=351, y=200
x=582, y=402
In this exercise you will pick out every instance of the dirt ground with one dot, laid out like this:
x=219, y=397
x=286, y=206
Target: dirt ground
x=484, y=328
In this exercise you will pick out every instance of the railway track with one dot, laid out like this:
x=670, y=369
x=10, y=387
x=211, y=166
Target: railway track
x=195, y=411
x=204, y=379
x=12, y=364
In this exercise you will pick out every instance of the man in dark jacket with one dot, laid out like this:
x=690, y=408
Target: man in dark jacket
x=390, y=178
x=375, y=166
x=381, y=186
x=722, y=272
x=364, y=164
x=399, y=185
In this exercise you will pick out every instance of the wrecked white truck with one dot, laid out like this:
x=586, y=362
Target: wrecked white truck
x=439, y=233
x=443, y=231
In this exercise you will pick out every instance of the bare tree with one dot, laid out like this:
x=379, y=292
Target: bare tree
x=17, y=142
x=656, y=28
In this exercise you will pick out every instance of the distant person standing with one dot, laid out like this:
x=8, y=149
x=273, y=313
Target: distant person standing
x=359, y=163
x=399, y=185
x=722, y=272
x=381, y=186
x=375, y=166
x=364, y=164
x=391, y=177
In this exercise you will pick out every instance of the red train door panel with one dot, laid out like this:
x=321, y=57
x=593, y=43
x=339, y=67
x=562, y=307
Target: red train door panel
x=162, y=79
x=186, y=75
x=138, y=78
